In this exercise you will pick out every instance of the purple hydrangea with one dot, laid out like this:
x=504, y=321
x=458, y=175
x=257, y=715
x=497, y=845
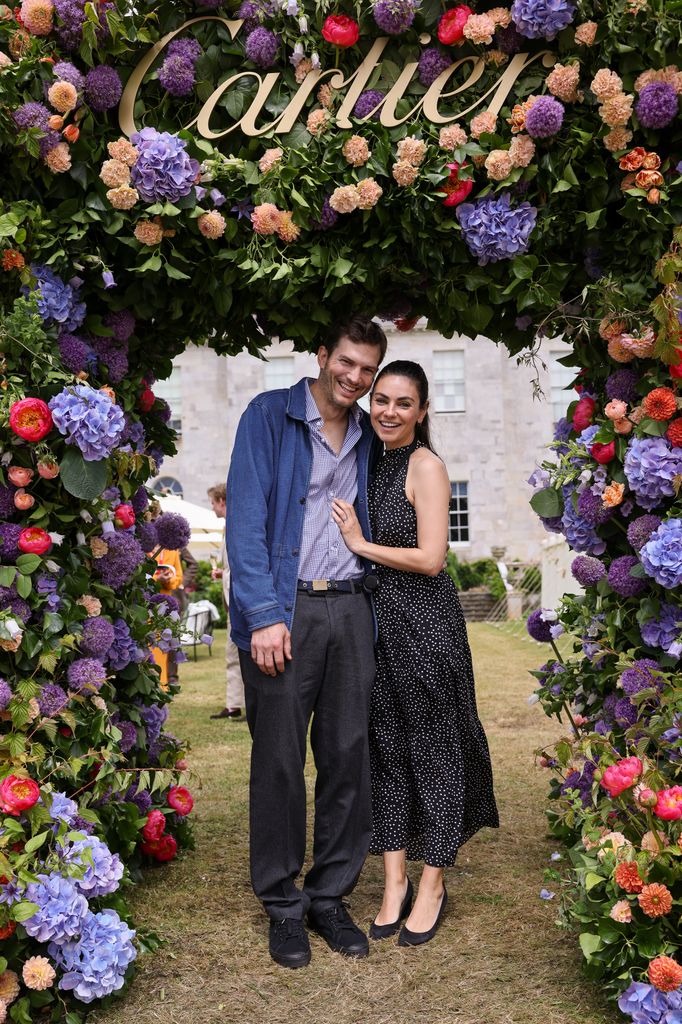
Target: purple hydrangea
x=328, y=217
x=553, y=524
x=133, y=437
x=63, y=809
x=148, y=536
x=153, y=717
x=173, y=531
x=542, y=19
x=86, y=675
x=102, y=870
x=52, y=699
x=10, y=599
x=622, y=384
x=394, y=16
x=588, y=571
x=8, y=509
x=647, y=1005
x=625, y=713
x=620, y=578
x=366, y=102
x=639, y=677
x=9, y=542
x=657, y=105
x=114, y=356
x=140, y=501
x=57, y=302
x=666, y=630
x=432, y=63
x=176, y=75
x=36, y=115
x=95, y=964
x=188, y=48
x=5, y=694
x=163, y=169
x=140, y=797
x=128, y=738
x=579, y=534
x=509, y=39
x=581, y=780
x=640, y=530
x=76, y=354
x=661, y=556
x=71, y=18
x=592, y=509
x=61, y=909
x=544, y=118
x=123, y=558
x=124, y=649
x=121, y=322
x=651, y=465
x=493, y=230
x=88, y=419
x=538, y=627
x=261, y=47
x=103, y=88
x=167, y=603
x=98, y=636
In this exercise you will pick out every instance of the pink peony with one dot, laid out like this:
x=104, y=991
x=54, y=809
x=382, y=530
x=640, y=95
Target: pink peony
x=669, y=804
x=621, y=776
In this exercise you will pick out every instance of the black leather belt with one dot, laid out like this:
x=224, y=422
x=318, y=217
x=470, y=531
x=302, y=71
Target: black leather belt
x=363, y=585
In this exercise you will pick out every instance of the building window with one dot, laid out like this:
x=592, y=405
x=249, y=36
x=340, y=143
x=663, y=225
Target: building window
x=171, y=391
x=458, y=532
x=279, y=373
x=560, y=379
x=448, y=381
x=167, y=485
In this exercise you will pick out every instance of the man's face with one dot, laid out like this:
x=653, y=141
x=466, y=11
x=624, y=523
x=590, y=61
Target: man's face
x=219, y=507
x=346, y=374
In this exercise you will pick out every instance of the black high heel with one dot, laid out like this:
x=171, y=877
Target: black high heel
x=384, y=931
x=408, y=938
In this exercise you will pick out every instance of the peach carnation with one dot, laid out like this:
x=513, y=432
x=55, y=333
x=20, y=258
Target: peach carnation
x=621, y=912
x=613, y=495
x=265, y=219
x=38, y=973
x=92, y=605
x=655, y=900
x=287, y=230
x=148, y=232
x=325, y=95
x=669, y=76
x=62, y=96
x=495, y=57
x=451, y=137
x=356, y=151
x=98, y=547
x=9, y=986
x=123, y=198
x=660, y=404
x=518, y=115
x=521, y=150
x=404, y=173
x=616, y=111
x=606, y=84
x=479, y=29
x=269, y=158
x=317, y=121
x=3, y=1011
x=115, y=173
x=412, y=150
x=369, y=193
x=585, y=33
x=482, y=123
x=36, y=16
x=499, y=164
x=641, y=344
x=562, y=82
x=5, y=61
x=211, y=224
x=653, y=842
x=501, y=16
x=344, y=199
x=617, y=139
x=303, y=69
x=665, y=974
x=627, y=877
x=58, y=159
x=122, y=150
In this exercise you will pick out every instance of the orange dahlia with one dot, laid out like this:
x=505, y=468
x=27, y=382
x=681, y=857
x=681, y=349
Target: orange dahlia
x=627, y=876
x=665, y=974
x=655, y=900
x=674, y=433
x=12, y=260
x=660, y=404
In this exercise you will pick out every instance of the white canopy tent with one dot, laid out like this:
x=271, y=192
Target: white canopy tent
x=206, y=526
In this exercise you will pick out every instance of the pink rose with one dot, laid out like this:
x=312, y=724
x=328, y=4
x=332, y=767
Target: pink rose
x=615, y=410
x=19, y=476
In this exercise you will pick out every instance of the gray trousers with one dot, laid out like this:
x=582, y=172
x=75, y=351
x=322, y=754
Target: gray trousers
x=329, y=681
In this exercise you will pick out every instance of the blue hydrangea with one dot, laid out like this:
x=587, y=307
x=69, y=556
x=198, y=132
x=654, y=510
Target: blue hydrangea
x=88, y=419
x=661, y=556
x=646, y=1005
x=63, y=808
x=95, y=964
x=579, y=534
x=542, y=19
x=61, y=908
x=124, y=649
x=102, y=874
x=664, y=631
x=153, y=717
x=651, y=465
x=57, y=302
x=494, y=230
x=163, y=169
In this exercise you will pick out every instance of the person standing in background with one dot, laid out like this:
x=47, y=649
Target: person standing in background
x=234, y=694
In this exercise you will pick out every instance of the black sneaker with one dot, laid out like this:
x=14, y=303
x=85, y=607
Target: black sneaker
x=335, y=925
x=289, y=946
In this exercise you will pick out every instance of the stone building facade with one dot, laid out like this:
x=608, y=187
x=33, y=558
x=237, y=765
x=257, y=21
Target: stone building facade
x=487, y=426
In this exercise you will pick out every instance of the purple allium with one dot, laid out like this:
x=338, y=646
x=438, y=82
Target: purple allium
x=622, y=384
x=52, y=699
x=176, y=75
x=188, y=48
x=57, y=302
x=61, y=908
x=103, y=88
x=661, y=556
x=76, y=354
x=8, y=509
x=542, y=19
x=121, y=322
x=657, y=105
x=103, y=870
x=249, y=13
x=620, y=579
x=432, y=63
x=509, y=39
x=493, y=230
x=86, y=675
x=98, y=636
x=10, y=599
x=588, y=571
x=148, y=536
x=153, y=717
x=168, y=603
x=121, y=561
x=651, y=465
x=538, y=627
x=394, y=16
x=37, y=115
x=591, y=508
x=639, y=677
x=140, y=500
x=5, y=694
x=89, y=419
x=640, y=530
x=112, y=355
x=366, y=102
x=545, y=117
x=163, y=169
x=94, y=965
x=65, y=71
x=173, y=531
x=9, y=542
x=328, y=217
x=261, y=47
x=124, y=649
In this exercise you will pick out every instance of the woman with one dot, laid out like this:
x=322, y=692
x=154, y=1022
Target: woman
x=431, y=775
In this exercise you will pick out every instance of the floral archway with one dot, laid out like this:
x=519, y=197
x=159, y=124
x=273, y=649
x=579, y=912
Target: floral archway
x=228, y=174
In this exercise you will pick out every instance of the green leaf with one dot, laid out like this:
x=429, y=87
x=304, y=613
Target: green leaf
x=83, y=479
x=52, y=623
x=22, y=911
x=589, y=944
x=7, y=574
x=35, y=842
x=24, y=586
x=592, y=880
x=547, y=503
x=175, y=274
x=28, y=563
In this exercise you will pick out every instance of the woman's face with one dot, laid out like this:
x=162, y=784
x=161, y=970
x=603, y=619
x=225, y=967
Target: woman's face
x=395, y=410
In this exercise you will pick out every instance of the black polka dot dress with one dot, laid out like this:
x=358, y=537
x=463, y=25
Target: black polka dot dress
x=432, y=785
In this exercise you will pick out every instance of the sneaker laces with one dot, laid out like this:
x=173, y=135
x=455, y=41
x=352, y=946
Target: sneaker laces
x=289, y=927
x=339, y=918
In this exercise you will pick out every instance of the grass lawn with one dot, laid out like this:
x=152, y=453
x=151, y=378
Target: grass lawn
x=497, y=959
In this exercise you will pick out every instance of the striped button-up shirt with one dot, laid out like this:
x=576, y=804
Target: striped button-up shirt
x=324, y=554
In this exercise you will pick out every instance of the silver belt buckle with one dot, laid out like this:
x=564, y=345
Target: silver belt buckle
x=320, y=584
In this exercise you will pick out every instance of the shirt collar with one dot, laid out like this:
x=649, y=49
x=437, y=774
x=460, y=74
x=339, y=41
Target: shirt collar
x=312, y=413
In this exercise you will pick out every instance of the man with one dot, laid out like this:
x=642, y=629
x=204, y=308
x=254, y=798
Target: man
x=302, y=619
x=234, y=691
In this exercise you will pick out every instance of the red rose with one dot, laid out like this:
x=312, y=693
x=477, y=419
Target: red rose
x=166, y=848
x=34, y=541
x=603, y=453
x=8, y=930
x=31, y=419
x=456, y=190
x=405, y=323
x=154, y=826
x=17, y=795
x=451, y=25
x=584, y=413
x=341, y=30
x=180, y=799
x=124, y=516
x=147, y=399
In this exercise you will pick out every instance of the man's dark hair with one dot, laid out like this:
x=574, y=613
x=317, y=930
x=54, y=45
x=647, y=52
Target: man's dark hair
x=360, y=329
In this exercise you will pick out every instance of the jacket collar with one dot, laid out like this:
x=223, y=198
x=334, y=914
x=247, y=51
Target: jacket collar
x=297, y=405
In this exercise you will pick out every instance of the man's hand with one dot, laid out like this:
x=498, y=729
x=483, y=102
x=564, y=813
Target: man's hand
x=270, y=647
